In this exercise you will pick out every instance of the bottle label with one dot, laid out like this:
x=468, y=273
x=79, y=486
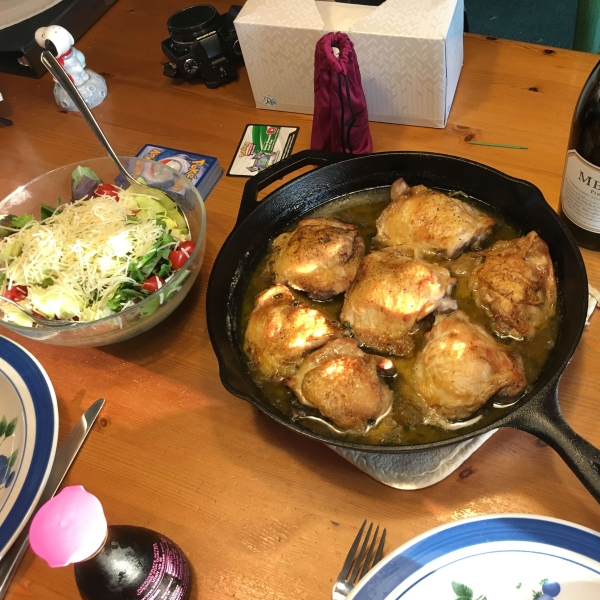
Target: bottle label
x=580, y=197
x=169, y=577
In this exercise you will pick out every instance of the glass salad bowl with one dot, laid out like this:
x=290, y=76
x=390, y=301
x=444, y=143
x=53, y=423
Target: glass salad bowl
x=140, y=317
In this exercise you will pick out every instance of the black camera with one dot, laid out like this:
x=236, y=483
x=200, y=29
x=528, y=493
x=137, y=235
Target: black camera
x=203, y=45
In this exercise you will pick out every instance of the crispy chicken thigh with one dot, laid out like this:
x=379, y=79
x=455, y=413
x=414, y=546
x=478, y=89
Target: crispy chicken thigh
x=343, y=383
x=515, y=285
x=281, y=330
x=430, y=221
x=320, y=257
x=461, y=366
x=390, y=294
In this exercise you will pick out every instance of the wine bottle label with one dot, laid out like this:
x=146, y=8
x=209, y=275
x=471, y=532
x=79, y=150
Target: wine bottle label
x=169, y=577
x=580, y=197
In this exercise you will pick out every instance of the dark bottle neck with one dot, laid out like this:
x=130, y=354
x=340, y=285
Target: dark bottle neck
x=98, y=550
x=585, y=128
x=120, y=566
x=134, y=564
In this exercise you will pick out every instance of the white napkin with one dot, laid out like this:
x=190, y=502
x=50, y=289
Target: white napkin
x=416, y=470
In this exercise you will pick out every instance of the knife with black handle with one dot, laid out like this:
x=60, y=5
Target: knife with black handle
x=65, y=455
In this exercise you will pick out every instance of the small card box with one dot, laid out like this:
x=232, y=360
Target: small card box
x=203, y=171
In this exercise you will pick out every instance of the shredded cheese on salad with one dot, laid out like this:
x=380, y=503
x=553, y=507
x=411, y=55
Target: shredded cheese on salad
x=92, y=257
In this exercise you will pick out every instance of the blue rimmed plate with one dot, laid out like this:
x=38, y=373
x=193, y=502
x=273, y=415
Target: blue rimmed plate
x=504, y=557
x=28, y=433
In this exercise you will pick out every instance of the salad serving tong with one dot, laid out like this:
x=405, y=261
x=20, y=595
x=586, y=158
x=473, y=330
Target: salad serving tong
x=43, y=321
x=350, y=576
x=60, y=75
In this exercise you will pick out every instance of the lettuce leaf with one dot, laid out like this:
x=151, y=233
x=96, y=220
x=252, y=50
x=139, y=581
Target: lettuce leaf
x=21, y=221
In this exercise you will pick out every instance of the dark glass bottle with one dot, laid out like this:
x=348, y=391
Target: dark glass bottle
x=134, y=564
x=580, y=194
x=117, y=562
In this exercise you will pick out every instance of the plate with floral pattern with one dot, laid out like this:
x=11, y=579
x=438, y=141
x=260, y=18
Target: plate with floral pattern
x=501, y=557
x=28, y=433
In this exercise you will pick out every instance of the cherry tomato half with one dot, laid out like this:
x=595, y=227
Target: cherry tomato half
x=187, y=247
x=154, y=283
x=178, y=258
x=16, y=293
x=107, y=189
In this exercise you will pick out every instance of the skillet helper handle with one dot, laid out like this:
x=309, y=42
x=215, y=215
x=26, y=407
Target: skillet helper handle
x=278, y=171
x=546, y=421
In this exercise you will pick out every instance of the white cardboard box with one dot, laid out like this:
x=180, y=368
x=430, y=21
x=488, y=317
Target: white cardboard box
x=410, y=54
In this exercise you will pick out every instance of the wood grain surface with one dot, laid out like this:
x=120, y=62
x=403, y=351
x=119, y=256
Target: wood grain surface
x=262, y=512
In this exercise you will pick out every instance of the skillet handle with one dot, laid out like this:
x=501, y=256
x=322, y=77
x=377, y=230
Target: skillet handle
x=278, y=171
x=544, y=419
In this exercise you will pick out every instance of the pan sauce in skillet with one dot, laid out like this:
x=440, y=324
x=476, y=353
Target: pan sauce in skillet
x=405, y=424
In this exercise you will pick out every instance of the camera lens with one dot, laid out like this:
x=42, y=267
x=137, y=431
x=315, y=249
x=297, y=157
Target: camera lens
x=189, y=23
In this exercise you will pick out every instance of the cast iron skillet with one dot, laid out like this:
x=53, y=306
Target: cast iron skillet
x=521, y=204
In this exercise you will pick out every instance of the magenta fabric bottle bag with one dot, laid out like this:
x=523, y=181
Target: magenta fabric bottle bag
x=340, y=120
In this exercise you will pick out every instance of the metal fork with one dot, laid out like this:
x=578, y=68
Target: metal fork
x=346, y=579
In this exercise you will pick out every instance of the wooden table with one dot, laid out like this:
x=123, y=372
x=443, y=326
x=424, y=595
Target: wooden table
x=262, y=512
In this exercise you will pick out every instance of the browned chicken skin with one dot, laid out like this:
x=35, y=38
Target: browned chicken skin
x=515, y=285
x=461, y=366
x=281, y=330
x=430, y=221
x=390, y=294
x=343, y=383
x=320, y=257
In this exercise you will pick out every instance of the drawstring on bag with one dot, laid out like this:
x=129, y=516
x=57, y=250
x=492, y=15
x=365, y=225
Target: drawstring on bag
x=338, y=92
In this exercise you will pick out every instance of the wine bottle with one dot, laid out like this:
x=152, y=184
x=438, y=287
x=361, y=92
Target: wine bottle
x=580, y=195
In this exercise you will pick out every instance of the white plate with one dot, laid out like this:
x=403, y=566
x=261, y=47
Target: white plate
x=28, y=433
x=504, y=557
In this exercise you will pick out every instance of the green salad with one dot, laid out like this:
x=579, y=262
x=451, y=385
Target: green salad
x=102, y=252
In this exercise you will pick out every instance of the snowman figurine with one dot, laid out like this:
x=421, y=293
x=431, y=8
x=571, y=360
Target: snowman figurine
x=90, y=85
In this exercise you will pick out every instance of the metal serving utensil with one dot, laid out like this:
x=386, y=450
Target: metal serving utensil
x=39, y=320
x=60, y=75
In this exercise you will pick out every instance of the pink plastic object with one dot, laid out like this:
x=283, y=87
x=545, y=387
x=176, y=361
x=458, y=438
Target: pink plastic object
x=69, y=528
